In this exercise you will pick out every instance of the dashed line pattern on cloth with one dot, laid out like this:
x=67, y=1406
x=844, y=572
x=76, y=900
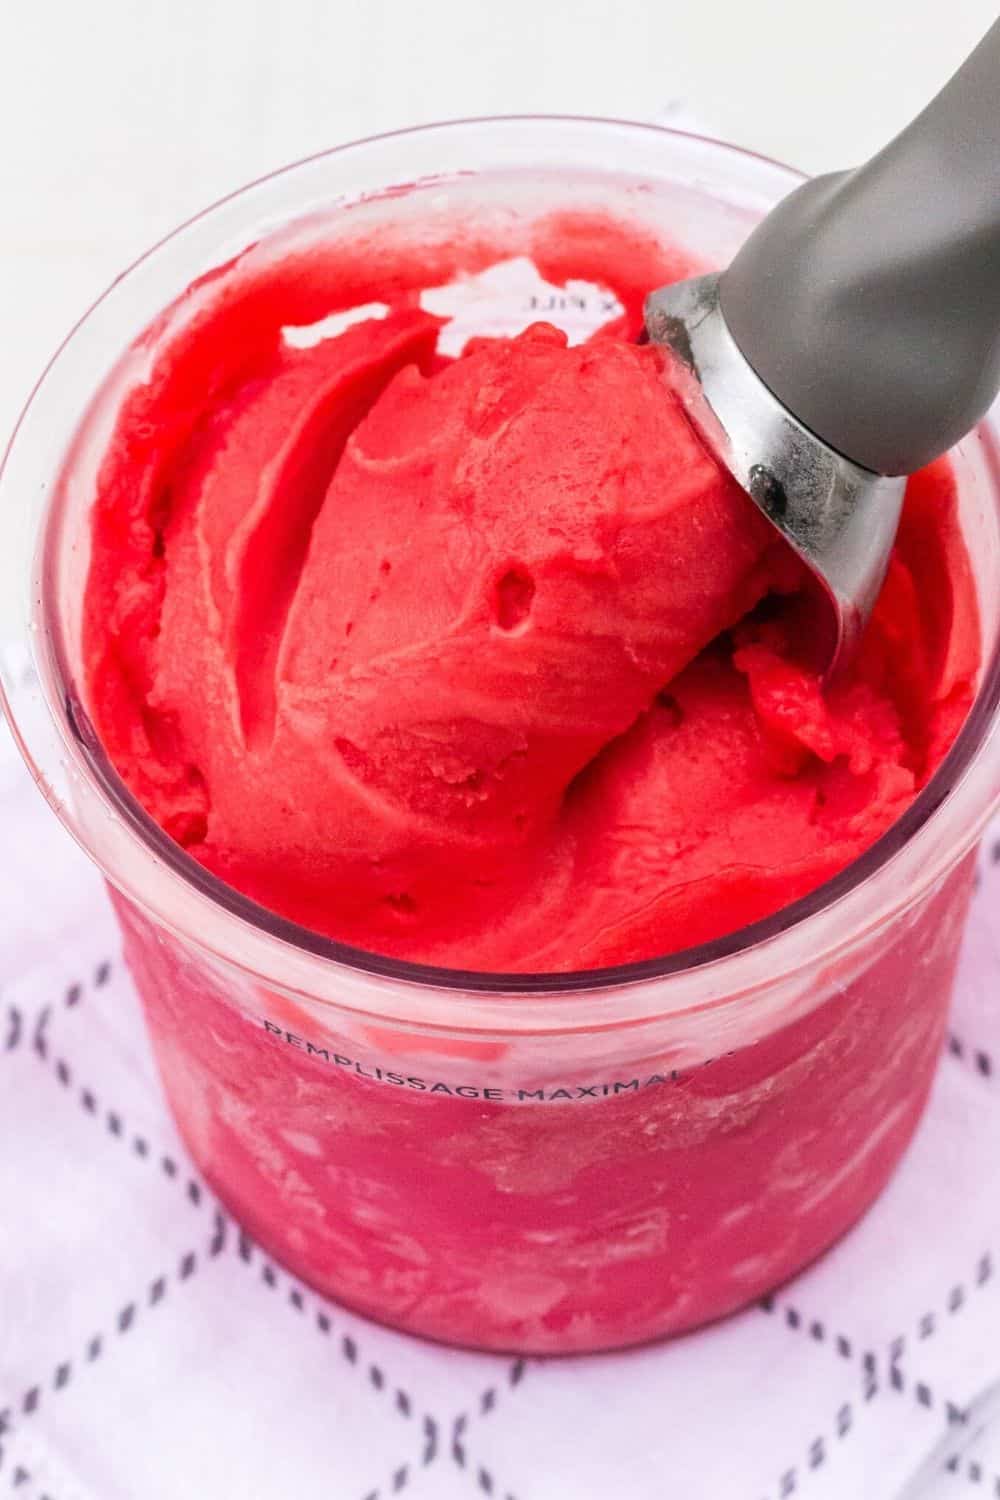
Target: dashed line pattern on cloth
x=124, y=1320
x=20, y=1476
x=818, y=1451
x=972, y=1470
x=197, y=1195
x=977, y=1058
x=14, y=1028
x=322, y=1315
x=815, y=1329
x=958, y=1297
x=924, y=1396
x=486, y=1403
x=112, y=1119
x=31, y=1399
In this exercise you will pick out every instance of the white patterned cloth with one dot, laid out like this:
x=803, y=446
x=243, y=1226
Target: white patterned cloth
x=149, y=1351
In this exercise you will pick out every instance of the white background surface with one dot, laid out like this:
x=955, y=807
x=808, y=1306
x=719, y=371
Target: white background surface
x=119, y=118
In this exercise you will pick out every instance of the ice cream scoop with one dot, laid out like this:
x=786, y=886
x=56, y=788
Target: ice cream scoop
x=855, y=337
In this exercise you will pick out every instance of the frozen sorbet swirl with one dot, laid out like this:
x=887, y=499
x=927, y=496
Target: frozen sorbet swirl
x=483, y=661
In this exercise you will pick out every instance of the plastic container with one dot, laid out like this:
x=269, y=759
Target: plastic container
x=545, y=1163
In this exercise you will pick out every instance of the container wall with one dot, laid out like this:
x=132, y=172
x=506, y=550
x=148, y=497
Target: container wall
x=551, y=1194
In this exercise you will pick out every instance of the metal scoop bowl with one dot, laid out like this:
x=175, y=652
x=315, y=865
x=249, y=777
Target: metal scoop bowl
x=855, y=337
x=840, y=518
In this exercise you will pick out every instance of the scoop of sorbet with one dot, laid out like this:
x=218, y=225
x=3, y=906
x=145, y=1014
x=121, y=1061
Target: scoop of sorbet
x=433, y=656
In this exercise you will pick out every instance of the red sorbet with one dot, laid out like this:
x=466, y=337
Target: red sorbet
x=461, y=661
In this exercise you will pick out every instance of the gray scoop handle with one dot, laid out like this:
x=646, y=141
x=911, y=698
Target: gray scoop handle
x=869, y=301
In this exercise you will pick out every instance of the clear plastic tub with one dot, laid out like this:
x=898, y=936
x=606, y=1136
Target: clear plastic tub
x=533, y=1162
